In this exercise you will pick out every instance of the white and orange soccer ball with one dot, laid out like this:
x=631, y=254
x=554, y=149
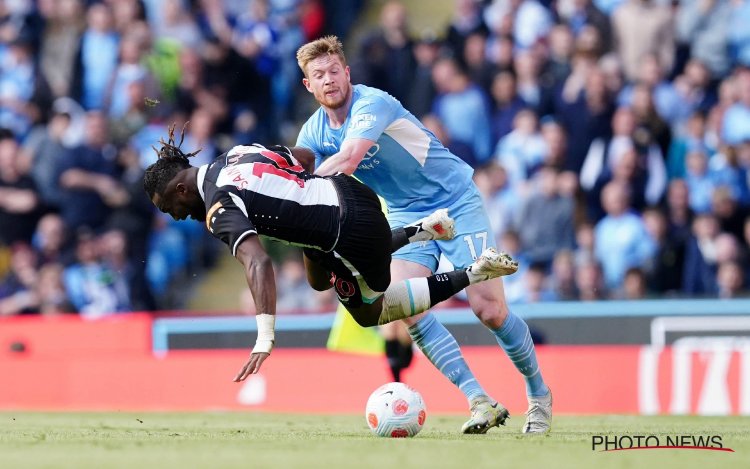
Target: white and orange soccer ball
x=395, y=410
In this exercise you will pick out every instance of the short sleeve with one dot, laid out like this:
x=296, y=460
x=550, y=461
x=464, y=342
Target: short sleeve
x=370, y=116
x=227, y=219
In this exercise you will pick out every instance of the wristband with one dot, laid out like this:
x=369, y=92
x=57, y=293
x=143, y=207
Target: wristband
x=265, y=339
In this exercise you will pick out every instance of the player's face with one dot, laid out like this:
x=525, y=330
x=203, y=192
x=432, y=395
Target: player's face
x=179, y=203
x=328, y=80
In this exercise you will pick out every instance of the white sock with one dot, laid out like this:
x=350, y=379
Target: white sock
x=405, y=299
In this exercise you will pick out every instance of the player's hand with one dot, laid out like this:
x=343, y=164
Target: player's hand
x=252, y=366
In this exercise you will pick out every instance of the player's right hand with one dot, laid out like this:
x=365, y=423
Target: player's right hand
x=252, y=366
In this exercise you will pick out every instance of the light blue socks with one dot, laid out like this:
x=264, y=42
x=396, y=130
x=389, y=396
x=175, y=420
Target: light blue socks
x=442, y=350
x=514, y=337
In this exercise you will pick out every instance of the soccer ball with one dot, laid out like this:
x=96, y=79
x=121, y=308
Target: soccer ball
x=395, y=410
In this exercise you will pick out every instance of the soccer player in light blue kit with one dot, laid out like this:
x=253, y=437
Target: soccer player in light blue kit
x=366, y=132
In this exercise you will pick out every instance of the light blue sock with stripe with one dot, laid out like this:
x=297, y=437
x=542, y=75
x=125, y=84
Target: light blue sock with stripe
x=514, y=337
x=439, y=346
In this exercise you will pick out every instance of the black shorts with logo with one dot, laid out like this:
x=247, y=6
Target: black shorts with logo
x=363, y=247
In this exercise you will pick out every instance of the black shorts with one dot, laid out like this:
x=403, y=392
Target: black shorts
x=364, y=246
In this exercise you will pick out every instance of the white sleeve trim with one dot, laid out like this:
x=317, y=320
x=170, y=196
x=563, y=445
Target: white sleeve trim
x=239, y=240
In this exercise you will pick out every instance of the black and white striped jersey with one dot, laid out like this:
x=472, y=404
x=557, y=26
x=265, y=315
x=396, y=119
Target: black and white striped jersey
x=254, y=190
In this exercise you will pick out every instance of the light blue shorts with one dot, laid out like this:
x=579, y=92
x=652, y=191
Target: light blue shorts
x=473, y=233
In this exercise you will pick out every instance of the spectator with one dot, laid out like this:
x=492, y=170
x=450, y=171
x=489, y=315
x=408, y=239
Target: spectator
x=735, y=127
x=560, y=55
x=699, y=182
x=507, y=104
x=97, y=57
x=664, y=270
x=522, y=151
x=178, y=26
x=19, y=202
x=679, y=215
x=730, y=215
x=50, y=240
x=535, y=285
x=17, y=287
x=621, y=240
x=531, y=21
x=88, y=177
x=699, y=276
x=515, y=288
x=563, y=276
x=634, y=285
x=462, y=107
x=584, y=244
x=640, y=168
x=641, y=27
x=546, y=220
x=94, y=289
x=590, y=282
x=692, y=139
x=130, y=69
x=385, y=58
x=702, y=26
x=730, y=279
x=501, y=201
x=467, y=19
x=295, y=293
x=65, y=22
x=50, y=292
x=460, y=149
x=421, y=88
x=583, y=108
x=738, y=34
x=45, y=150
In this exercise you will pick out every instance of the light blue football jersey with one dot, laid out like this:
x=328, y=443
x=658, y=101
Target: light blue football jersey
x=407, y=165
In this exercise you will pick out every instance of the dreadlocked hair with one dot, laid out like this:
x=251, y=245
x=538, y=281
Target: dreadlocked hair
x=171, y=160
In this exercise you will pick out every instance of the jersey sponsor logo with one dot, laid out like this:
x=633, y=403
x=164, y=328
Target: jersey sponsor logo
x=367, y=161
x=362, y=121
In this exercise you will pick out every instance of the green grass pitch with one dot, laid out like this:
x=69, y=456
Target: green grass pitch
x=261, y=440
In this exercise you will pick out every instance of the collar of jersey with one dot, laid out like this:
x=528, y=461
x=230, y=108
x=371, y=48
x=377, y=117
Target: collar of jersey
x=201, y=177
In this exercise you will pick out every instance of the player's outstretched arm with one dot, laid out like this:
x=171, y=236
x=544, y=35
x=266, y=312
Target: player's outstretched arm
x=352, y=151
x=262, y=283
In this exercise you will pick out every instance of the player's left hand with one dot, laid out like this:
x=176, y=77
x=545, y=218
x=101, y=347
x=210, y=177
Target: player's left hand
x=252, y=366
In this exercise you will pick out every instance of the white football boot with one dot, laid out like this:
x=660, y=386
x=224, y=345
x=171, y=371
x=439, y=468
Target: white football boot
x=485, y=414
x=437, y=226
x=491, y=264
x=539, y=415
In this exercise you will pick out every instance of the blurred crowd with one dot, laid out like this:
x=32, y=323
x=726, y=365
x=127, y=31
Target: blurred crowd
x=610, y=138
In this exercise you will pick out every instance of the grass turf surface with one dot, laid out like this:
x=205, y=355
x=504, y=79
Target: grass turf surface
x=258, y=440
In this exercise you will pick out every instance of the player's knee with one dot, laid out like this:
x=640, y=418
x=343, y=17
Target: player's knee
x=368, y=315
x=491, y=313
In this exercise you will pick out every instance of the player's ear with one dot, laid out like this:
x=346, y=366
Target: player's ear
x=306, y=82
x=181, y=188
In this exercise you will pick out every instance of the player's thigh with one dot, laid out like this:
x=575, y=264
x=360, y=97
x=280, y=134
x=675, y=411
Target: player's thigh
x=424, y=253
x=473, y=230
